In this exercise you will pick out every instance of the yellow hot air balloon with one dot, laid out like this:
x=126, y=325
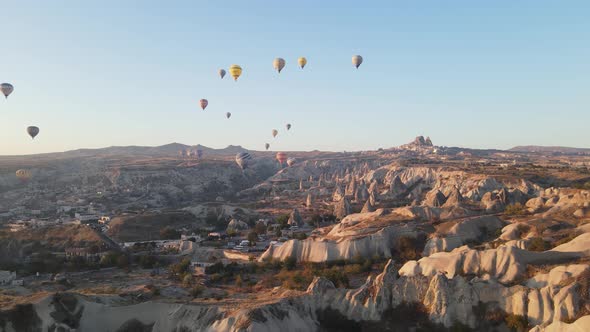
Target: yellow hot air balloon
x=302, y=61
x=278, y=64
x=235, y=71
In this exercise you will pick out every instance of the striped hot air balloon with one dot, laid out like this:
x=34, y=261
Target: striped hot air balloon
x=6, y=89
x=235, y=71
x=243, y=159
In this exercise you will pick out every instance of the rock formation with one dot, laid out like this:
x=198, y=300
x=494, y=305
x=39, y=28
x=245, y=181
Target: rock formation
x=295, y=218
x=342, y=208
x=397, y=187
x=435, y=198
x=368, y=207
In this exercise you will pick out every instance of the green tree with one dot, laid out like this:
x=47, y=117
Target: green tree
x=187, y=280
x=252, y=237
x=260, y=228
x=290, y=263
x=168, y=233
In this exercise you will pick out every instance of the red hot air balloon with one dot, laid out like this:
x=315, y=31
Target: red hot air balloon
x=281, y=157
x=204, y=103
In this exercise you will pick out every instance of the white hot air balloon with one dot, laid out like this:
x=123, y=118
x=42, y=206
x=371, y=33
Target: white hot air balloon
x=278, y=64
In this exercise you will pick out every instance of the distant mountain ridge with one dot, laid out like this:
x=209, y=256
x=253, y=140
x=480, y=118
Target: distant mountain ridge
x=172, y=149
x=550, y=149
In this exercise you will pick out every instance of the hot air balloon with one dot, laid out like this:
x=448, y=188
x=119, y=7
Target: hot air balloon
x=235, y=71
x=291, y=161
x=267, y=146
x=204, y=103
x=222, y=73
x=278, y=64
x=33, y=131
x=275, y=133
x=23, y=175
x=357, y=60
x=7, y=89
x=243, y=159
x=302, y=61
x=281, y=157
x=228, y=115
x=288, y=126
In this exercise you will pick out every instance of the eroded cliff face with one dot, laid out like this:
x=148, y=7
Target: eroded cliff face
x=441, y=300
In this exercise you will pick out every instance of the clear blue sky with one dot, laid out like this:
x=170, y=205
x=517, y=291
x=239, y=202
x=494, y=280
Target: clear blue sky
x=467, y=73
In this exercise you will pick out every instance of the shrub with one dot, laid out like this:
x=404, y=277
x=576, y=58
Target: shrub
x=179, y=269
x=252, y=237
x=336, y=276
x=538, y=244
x=290, y=263
x=300, y=236
x=409, y=248
x=147, y=261
x=282, y=220
x=522, y=229
x=517, y=322
x=168, y=233
x=187, y=280
x=197, y=291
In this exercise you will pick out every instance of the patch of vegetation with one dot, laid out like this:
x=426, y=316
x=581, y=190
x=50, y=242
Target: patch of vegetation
x=522, y=230
x=179, y=270
x=169, y=233
x=517, y=323
x=114, y=258
x=408, y=248
x=197, y=290
x=566, y=239
x=538, y=244
x=516, y=209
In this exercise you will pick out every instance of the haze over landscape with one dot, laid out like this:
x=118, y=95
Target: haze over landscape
x=295, y=166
